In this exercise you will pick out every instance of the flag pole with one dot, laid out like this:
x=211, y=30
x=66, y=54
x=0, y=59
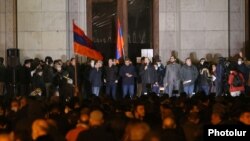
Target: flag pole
x=76, y=90
x=123, y=53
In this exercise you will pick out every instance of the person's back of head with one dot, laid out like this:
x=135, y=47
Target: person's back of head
x=169, y=123
x=48, y=59
x=166, y=111
x=216, y=118
x=96, y=118
x=5, y=137
x=194, y=117
x=39, y=128
x=136, y=131
x=23, y=102
x=244, y=116
x=84, y=115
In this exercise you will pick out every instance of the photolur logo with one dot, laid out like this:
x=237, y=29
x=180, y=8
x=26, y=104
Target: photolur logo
x=234, y=133
x=226, y=132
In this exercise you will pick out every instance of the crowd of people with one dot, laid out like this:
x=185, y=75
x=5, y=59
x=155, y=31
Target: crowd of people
x=120, y=101
x=120, y=79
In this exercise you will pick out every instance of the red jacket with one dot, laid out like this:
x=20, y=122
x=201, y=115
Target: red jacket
x=230, y=82
x=73, y=133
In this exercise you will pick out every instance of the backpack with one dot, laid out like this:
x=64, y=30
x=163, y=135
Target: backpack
x=237, y=82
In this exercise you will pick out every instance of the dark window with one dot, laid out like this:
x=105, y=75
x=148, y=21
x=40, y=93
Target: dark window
x=104, y=16
x=139, y=26
x=104, y=27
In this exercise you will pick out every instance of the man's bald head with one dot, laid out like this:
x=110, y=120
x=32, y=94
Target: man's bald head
x=5, y=137
x=96, y=118
x=39, y=128
x=168, y=123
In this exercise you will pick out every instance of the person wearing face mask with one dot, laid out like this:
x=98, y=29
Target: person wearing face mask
x=72, y=69
x=57, y=75
x=160, y=68
x=24, y=78
x=244, y=70
x=84, y=75
x=200, y=67
x=48, y=74
x=37, y=81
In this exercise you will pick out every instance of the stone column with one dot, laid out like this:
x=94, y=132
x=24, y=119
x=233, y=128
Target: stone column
x=77, y=11
x=89, y=17
x=122, y=13
x=237, y=26
x=2, y=27
x=7, y=26
x=10, y=25
x=155, y=24
x=168, y=28
x=42, y=29
x=247, y=20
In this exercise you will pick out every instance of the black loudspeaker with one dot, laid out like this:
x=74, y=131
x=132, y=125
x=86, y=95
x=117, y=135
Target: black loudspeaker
x=247, y=53
x=13, y=57
x=247, y=50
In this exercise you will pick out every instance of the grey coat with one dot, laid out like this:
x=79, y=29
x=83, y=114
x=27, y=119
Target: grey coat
x=173, y=72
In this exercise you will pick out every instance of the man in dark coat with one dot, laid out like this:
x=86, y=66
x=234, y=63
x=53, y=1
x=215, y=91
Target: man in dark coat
x=111, y=78
x=48, y=74
x=2, y=76
x=25, y=78
x=38, y=81
x=148, y=75
x=128, y=74
x=95, y=78
x=189, y=74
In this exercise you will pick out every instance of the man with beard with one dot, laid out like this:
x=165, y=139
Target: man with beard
x=111, y=78
x=172, y=76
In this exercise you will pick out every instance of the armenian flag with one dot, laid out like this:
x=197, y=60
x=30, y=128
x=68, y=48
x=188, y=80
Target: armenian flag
x=120, y=42
x=83, y=45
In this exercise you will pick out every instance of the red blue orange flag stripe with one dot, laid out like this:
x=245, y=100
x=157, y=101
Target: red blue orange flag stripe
x=83, y=45
x=120, y=42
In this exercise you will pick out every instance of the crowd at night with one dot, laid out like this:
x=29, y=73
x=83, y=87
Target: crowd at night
x=52, y=100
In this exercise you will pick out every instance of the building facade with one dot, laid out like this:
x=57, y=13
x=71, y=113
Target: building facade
x=186, y=28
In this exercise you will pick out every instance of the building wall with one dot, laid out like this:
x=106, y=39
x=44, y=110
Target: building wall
x=237, y=26
x=41, y=28
x=78, y=13
x=7, y=26
x=45, y=27
x=199, y=28
x=196, y=28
